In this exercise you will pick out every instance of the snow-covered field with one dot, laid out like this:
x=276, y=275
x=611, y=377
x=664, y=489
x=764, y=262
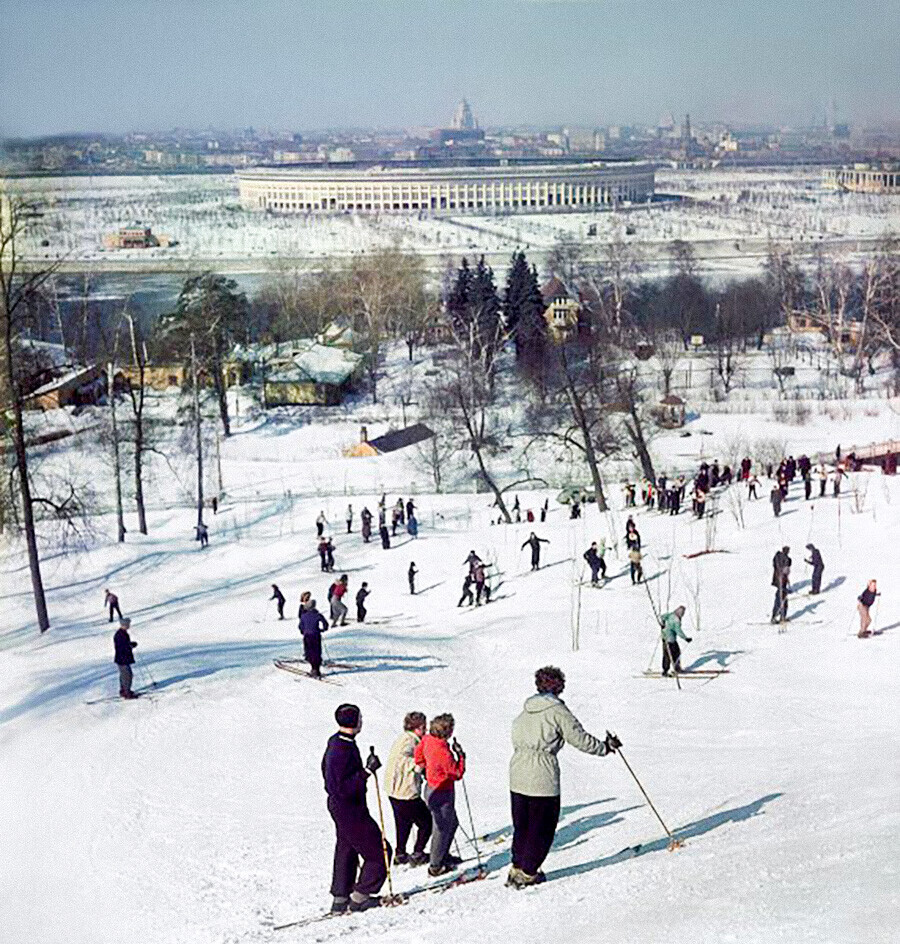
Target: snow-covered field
x=197, y=814
x=730, y=213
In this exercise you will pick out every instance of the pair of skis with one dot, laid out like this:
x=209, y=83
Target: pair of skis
x=690, y=673
x=293, y=666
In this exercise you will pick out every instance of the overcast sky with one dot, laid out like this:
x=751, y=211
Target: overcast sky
x=118, y=65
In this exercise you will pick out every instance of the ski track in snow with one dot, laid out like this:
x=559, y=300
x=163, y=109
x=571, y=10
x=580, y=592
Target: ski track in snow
x=198, y=815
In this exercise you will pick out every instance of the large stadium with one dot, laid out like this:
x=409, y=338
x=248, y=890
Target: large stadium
x=483, y=188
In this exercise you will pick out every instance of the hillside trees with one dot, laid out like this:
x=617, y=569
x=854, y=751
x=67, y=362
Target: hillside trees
x=523, y=311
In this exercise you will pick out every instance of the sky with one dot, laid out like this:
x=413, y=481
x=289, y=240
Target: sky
x=119, y=65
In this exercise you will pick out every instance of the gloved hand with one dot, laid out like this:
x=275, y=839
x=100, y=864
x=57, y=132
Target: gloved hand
x=612, y=743
x=688, y=639
x=372, y=761
x=458, y=752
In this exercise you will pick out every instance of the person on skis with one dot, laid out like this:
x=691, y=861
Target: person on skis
x=411, y=577
x=336, y=600
x=467, y=597
x=481, y=588
x=635, y=566
x=356, y=834
x=323, y=554
x=366, y=518
x=595, y=561
x=412, y=526
x=538, y=734
x=443, y=766
x=329, y=556
x=818, y=567
x=349, y=519
x=124, y=657
x=403, y=782
x=321, y=521
x=863, y=604
x=312, y=625
x=534, y=542
x=112, y=601
x=671, y=630
x=781, y=574
x=776, y=496
x=472, y=560
x=279, y=596
x=361, y=595
x=385, y=538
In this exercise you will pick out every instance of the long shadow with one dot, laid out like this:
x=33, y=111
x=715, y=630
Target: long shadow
x=699, y=828
x=719, y=656
x=809, y=608
x=834, y=584
x=886, y=629
x=576, y=833
x=430, y=587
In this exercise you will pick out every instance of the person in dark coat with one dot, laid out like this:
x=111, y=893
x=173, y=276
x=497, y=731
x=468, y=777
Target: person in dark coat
x=818, y=567
x=411, y=577
x=632, y=537
x=112, y=601
x=357, y=834
x=481, y=587
x=534, y=542
x=279, y=596
x=410, y=508
x=595, y=562
x=312, y=625
x=412, y=526
x=385, y=537
x=776, y=497
x=467, y=591
x=124, y=657
x=366, y=518
x=329, y=556
x=781, y=574
x=202, y=535
x=361, y=595
x=323, y=554
x=472, y=560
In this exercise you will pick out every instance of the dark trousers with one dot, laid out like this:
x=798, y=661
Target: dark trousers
x=466, y=598
x=595, y=571
x=281, y=609
x=817, y=579
x=349, y=525
x=779, y=607
x=442, y=805
x=535, y=561
x=358, y=836
x=312, y=650
x=807, y=488
x=114, y=608
x=360, y=613
x=319, y=529
x=125, y=678
x=637, y=572
x=409, y=813
x=671, y=656
x=412, y=584
x=482, y=590
x=534, y=826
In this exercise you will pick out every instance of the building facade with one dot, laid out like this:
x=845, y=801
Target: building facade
x=412, y=188
x=864, y=178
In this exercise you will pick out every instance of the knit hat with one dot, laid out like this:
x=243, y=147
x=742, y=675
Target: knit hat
x=347, y=716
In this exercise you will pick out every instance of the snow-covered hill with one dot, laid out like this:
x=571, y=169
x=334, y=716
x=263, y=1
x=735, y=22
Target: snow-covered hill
x=197, y=814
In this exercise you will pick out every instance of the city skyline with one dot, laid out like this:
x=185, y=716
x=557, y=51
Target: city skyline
x=109, y=68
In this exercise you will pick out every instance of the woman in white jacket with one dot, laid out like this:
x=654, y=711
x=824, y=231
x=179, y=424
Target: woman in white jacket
x=403, y=781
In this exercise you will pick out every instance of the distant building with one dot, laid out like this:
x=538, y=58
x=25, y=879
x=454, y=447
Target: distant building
x=463, y=119
x=864, y=178
x=79, y=386
x=389, y=442
x=562, y=310
x=137, y=236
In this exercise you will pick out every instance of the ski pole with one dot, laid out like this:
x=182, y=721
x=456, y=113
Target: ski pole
x=471, y=820
x=392, y=899
x=145, y=670
x=675, y=843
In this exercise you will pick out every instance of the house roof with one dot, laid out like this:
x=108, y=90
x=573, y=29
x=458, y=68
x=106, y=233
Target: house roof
x=401, y=438
x=77, y=375
x=554, y=289
x=671, y=400
x=302, y=361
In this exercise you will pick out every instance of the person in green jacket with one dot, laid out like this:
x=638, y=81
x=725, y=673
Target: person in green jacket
x=538, y=735
x=671, y=630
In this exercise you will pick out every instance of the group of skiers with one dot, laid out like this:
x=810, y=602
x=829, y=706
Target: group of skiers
x=420, y=779
x=476, y=576
x=402, y=514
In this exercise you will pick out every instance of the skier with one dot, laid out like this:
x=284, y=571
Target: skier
x=671, y=630
x=538, y=735
x=636, y=568
x=366, y=518
x=807, y=484
x=775, y=497
x=836, y=485
x=412, y=526
x=818, y=567
x=632, y=536
x=574, y=513
x=323, y=554
x=349, y=518
x=312, y=625
x=472, y=560
x=400, y=513
x=403, y=782
x=745, y=467
x=442, y=767
x=544, y=509
x=411, y=577
x=335, y=598
x=410, y=508
x=594, y=558
x=214, y=504
x=329, y=556
x=202, y=535
x=321, y=521
x=823, y=479
x=385, y=537
x=864, y=602
x=124, y=657
x=781, y=572
x=534, y=542
x=112, y=601
x=752, y=485
x=279, y=596
x=481, y=587
x=396, y=514
x=361, y=595
x=466, y=591
x=357, y=834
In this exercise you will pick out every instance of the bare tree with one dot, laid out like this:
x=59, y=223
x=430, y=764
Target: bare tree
x=612, y=282
x=436, y=453
x=669, y=352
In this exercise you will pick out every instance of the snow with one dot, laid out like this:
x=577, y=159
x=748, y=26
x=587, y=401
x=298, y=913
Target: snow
x=198, y=814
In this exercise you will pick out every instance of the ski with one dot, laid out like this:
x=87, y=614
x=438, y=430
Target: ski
x=287, y=667
x=140, y=693
x=699, y=673
x=799, y=622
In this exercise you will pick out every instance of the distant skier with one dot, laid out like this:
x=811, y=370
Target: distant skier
x=112, y=601
x=781, y=573
x=594, y=557
x=214, y=504
x=412, y=526
x=863, y=605
x=124, y=657
x=349, y=519
x=635, y=567
x=361, y=595
x=823, y=479
x=544, y=508
x=807, y=484
x=752, y=486
x=403, y=782
x=366, y=518
x=776, y=497
x=534, y=542
x=385, y=537
x=279, y=596
x=396, y=515
x=836, y=485
x=323, y=554
x=329, y=555
x=538, y=734
x=442, y=766
x=312, y=625
x=410, y=508
x=467, y=597
x=357, y=834
x=411, y=577
x=481, y=587
x=632, y=536
x=321, y=521
x=336, y=600
x=671, y=630
x=472, y=560
x=202, y=535
x=818, y=567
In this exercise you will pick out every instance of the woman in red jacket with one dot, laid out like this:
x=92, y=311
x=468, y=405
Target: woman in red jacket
x=443, y=767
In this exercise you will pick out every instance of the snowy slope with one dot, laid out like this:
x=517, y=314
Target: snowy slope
x=197, y=815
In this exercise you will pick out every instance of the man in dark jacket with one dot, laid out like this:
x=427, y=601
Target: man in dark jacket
x=534, y=542
x=818, y=567
x=279, y=596
x=124, y=657
x=357, y=833
x=112, y=601
x=596, y=562
x=361, y=595
x=312, y=625
x=781, y=573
